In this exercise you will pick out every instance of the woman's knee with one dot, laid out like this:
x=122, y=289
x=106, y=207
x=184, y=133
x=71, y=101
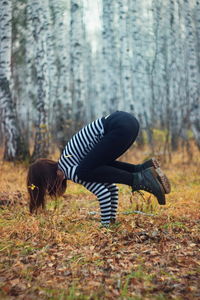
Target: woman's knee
x=136, y=126
x=129, y=120
x=131, y=126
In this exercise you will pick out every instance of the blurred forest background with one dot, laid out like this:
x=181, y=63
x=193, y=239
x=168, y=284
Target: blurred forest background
x=64, y=63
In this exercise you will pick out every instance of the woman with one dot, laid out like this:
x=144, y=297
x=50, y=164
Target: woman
x=89, y=158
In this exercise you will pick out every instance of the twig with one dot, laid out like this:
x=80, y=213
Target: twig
x=125, y=213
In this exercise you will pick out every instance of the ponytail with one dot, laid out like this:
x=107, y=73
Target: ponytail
x=43, y=178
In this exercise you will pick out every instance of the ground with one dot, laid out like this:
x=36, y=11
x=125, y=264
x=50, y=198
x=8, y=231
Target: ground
x=63, y=253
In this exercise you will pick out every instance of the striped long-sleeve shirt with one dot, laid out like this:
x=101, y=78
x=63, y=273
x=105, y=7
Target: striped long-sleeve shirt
x=76, y=149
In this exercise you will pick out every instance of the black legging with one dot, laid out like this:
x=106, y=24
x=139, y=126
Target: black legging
x=100, y=165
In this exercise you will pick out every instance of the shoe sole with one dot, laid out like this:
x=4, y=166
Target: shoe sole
x=161, y=176
x=161, y=201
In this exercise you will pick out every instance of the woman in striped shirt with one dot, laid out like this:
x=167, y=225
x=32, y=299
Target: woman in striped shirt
x=89, y=158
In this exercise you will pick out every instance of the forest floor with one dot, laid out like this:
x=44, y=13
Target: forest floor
x=63, y=253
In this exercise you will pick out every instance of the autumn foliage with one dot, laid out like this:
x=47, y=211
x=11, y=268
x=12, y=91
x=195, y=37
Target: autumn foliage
x=63, y=253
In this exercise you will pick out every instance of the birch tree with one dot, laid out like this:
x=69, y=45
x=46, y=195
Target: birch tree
x=173, y=74
x=13, y=139
x=62, y=105
x=197, y=114
x=141, y=51
x=192, y=71
x=40, y=32
x=125, y=60
x=157, y=71
x=51, y=59
x=197, y=28
x=99, y=105
x=77, y=64
x=110, y=63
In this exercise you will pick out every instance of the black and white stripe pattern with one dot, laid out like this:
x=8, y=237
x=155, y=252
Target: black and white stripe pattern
x=76, y=149
x=113, y=189
x=107, y=195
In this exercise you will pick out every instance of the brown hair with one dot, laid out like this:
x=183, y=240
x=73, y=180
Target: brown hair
x=43, y=178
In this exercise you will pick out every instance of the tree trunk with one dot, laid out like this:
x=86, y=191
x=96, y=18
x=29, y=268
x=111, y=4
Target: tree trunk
x=40, y=31
x=125, y=58
x=14, y=146
x=77, y=63
x=192, y=72
x=110, y=64
x=62, y=112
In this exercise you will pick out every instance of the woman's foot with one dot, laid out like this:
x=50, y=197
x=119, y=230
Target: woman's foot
x=147, y=180
x=153, y=162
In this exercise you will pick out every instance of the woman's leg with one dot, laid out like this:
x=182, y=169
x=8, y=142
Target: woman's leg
x=107, y=195
x=125, y=166
x=113, y=189
x=121, y=131
x=105, y=198
x=147, y=164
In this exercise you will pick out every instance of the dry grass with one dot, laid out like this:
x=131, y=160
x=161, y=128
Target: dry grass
x=64, y=254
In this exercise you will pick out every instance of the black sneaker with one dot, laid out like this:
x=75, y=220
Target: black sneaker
x=147, y=180
x=153, y=162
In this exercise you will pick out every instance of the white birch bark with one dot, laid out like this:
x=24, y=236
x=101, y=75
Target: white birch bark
x=90, y=99
x=125, y=58
x=174, y=75
x=51, y=59
x=141, y=90
x=12, y=149
x=62, y=50
x=110, y=66
x=40, y=32
x=93, y=60
x=156, y=64
x=62, y=104
x=140, y=53
x=99, y=106
x=196, y=128
x=192, y=71
x=30, y=86
x=182, y=73
x=197, y=27
x=77, y=64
